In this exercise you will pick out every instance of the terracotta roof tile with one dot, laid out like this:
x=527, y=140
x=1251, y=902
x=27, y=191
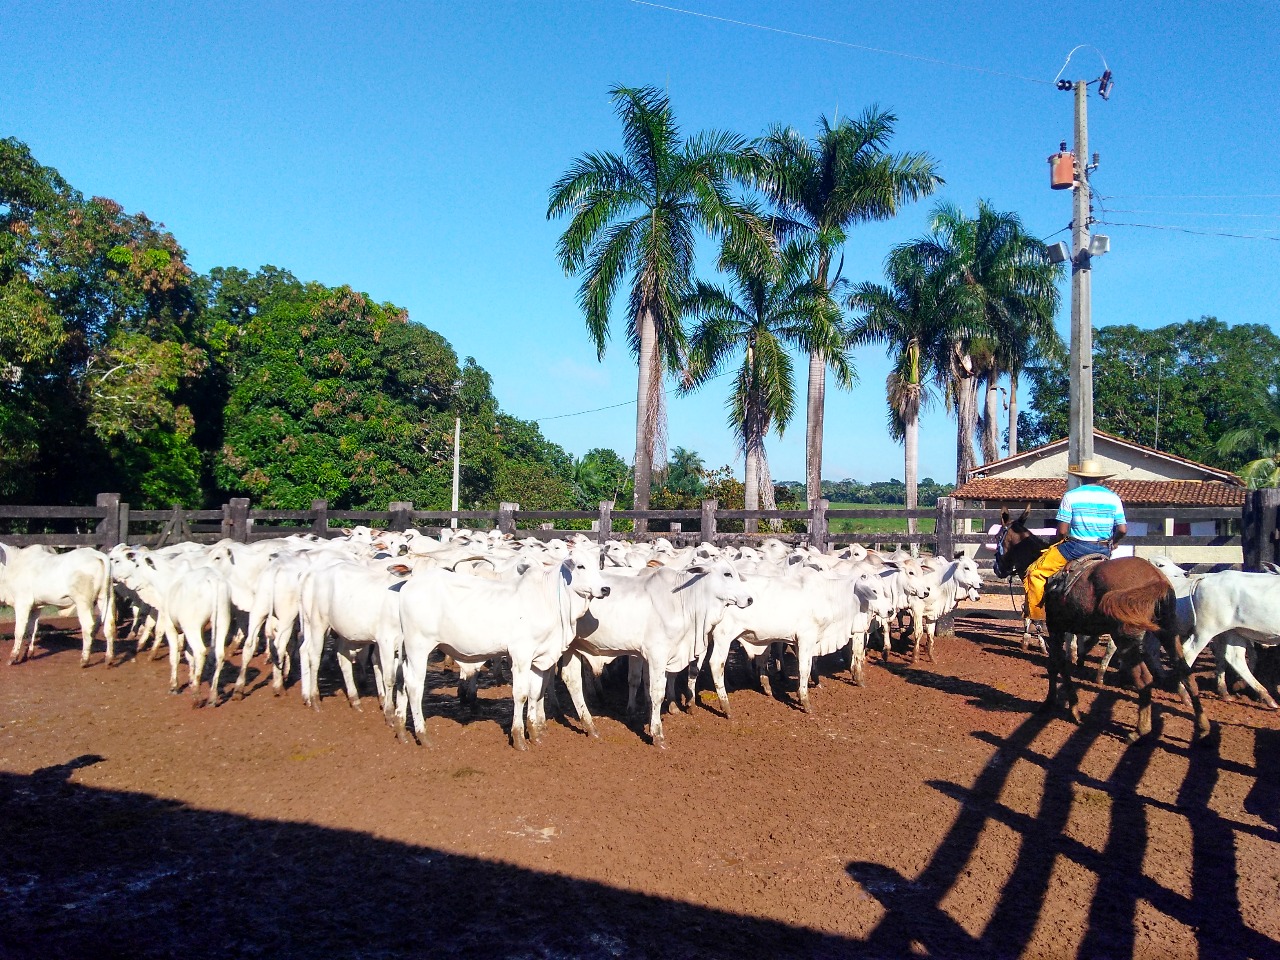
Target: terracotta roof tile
x=1187, y=493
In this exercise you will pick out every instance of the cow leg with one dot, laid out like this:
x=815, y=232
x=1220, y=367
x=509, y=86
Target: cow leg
x=1235, y=657
x=520, y=685
x=931, y=635
x=194, y=635
x=257, y=620
x=414, y=675
x=762, y=666
x=170, y=632
x=84, y=613
x=539, y=680
x=571, y=674
x=309, y=652
x=718, y=657
x=804, y=661
x=657, y=687
x=348, y=675
x=23, y=624
x=1106, y=660
x=280, y=644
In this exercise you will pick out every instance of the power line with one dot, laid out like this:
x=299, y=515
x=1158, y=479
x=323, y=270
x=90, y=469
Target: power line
x=1199, y=233
x=624, y=403
x=1191, y=196
x=841, y=43
x=1193, y=213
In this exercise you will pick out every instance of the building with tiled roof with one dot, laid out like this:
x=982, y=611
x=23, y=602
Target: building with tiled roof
x=1143, y=477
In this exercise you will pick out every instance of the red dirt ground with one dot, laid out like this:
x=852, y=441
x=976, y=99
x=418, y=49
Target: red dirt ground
x=930, y=813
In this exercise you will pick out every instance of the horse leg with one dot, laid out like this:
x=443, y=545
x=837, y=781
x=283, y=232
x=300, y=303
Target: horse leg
x=1056, y=643
x=1106, y=660
x=1144, y=682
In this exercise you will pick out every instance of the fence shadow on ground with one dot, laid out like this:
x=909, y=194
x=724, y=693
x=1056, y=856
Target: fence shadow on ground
x=917, y=922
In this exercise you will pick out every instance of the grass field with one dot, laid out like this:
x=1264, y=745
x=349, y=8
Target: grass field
x=872, y=524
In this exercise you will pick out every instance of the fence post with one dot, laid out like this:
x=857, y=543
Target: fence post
x=400, y=519
x=108, y=528
x=1258, y=528
x=604, y=528
x=709, y=508
x=320, y=522
x=818, y=525
x=944, y=531
x=944, y=528
x=506, y=517
x=236, y=519
x=124, y=522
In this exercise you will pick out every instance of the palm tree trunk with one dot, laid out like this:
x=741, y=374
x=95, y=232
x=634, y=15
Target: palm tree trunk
x=966, y=425
x=768, y=499
x=751, y=480
x=991, y=419
x=911, y=464
x=813, y=426
x=644, y=415
x=1013, y=412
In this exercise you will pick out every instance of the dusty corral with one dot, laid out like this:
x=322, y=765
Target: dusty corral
x=930, y=813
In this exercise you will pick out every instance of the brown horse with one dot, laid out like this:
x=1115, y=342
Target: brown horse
x=1124, y=598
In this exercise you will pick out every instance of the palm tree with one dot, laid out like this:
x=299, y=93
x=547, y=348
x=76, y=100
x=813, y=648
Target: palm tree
x=1260, y=442
x=638, y=214
x=773, y=304
x=904, y=317
x=990, y=277
x=845, y=176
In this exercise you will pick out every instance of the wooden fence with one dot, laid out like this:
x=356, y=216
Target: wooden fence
x=110, y=521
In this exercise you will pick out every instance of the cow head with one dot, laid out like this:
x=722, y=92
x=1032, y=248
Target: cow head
x=968, y=577
x=581, y=573
x=912, y=577
x=871, y=594
x=724, y=582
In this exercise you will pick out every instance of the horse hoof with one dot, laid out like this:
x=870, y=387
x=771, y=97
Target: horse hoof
x=1074, y=713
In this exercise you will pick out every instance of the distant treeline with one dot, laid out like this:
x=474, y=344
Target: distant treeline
x=881, y=491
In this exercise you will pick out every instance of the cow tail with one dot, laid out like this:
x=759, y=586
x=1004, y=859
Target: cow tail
x=220, y=626
x=107, y=601
x=1135, y=606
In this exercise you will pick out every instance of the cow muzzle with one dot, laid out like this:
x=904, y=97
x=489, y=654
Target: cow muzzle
x=605, y=591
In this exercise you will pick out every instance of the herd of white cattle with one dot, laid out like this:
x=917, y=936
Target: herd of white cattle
x=484, y=598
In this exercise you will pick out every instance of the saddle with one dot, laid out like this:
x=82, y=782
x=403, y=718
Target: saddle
x=1062, y=582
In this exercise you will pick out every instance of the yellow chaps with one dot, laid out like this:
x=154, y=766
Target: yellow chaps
x=1050, y=562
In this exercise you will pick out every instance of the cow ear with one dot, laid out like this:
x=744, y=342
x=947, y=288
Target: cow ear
x=399, y=569
x=958, y=555
x=655, y=563
x=149, y=562
x=698, y=569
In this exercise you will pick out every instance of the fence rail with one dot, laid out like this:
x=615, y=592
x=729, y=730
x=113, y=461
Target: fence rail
x=110, y=521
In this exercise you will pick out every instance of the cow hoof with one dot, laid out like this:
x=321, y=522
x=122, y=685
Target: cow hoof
x=672, y=707
x=237, y=693
x=174, y=691
x=519, y=743
x=355, y=705
x=84, y=663
x=724, y=708
x=804, y=705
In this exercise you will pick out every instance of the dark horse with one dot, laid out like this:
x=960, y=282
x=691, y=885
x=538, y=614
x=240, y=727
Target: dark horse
x=1123, y=598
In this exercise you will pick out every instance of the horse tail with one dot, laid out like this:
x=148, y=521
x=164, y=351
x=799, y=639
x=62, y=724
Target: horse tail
x=1135, y=606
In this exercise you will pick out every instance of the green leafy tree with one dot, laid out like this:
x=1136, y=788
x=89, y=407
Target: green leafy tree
x=96, y=314
x=638, y=214
x=822, y=189
x=601, y=475
x=1198, y=381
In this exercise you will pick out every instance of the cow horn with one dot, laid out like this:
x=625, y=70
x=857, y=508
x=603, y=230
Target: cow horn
x=478, y=556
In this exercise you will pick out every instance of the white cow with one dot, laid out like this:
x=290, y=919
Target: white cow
x=32, y=577
x=663, y=617
x=817, y=613
x=949, y=583
x=529, y=618
x=361, y=605
x=1234, y=611
x=193, y=600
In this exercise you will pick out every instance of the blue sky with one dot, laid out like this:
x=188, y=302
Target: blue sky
x=407, y=149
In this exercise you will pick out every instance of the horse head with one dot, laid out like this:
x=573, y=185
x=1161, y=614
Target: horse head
x=1016, y=546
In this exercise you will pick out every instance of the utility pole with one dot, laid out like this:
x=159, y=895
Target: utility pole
x=457, y=449
x=1080, y=440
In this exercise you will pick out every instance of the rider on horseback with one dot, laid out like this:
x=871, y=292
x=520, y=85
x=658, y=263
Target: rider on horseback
x=1090, y=521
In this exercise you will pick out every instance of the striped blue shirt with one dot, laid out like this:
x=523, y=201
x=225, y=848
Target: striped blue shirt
x=1093, y=512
